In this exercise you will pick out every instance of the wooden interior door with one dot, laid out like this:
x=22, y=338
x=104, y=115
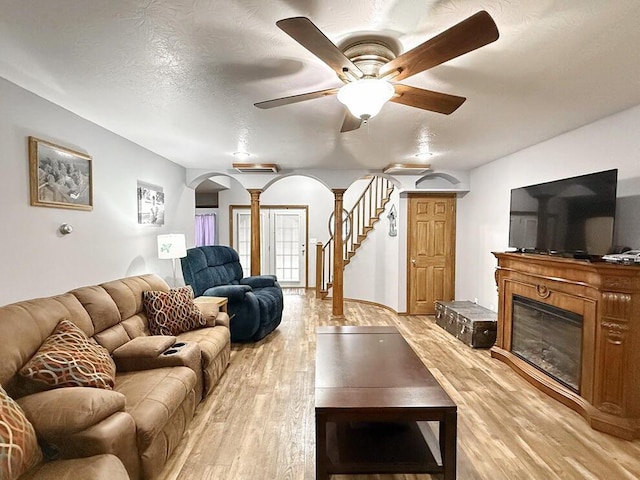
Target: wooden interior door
x=431, y=251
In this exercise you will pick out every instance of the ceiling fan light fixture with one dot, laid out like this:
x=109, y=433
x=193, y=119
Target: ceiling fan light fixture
x=364, y=98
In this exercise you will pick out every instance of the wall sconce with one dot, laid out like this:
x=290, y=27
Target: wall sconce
x=65, y=229
x=172, y=246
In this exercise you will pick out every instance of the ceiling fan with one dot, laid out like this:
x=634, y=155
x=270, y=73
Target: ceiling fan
x=369, y=67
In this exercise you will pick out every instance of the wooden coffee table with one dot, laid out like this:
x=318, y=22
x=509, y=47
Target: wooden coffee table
x=374, y=399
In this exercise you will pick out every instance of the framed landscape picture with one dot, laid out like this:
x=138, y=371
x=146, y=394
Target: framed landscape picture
x=150, y=204
x=59, y=177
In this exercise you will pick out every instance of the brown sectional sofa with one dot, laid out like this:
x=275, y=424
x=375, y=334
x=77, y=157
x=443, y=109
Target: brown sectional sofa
x=157, y=386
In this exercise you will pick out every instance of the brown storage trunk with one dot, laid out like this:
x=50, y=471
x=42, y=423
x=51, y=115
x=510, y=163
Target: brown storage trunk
x=440, y=315
x=446, y=318
x=451, y=322
x=472, y=324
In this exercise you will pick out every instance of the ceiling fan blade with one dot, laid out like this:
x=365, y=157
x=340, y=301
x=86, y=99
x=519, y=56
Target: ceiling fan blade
x=303, y=31
x=474, y=32
x=426, y=99
x=278, y=102
x=350, y=122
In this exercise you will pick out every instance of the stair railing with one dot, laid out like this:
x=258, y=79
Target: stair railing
x=359, y=222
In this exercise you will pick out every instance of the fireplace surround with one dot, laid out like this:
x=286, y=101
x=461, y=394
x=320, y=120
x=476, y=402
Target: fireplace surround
x=600, y=300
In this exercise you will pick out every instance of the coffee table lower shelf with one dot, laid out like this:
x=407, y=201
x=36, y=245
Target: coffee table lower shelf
x=382, y=447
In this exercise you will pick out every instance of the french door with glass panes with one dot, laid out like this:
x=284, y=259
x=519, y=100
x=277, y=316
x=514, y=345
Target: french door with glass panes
x=283, y=235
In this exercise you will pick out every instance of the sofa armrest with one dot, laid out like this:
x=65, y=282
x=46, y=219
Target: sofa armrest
x=75, y=422
x=97, y=467
x=174, y=355
x=222, y=319
x=235, y=293
x=260, y=281
x=63, y=411
x=116, y=435
x=210, y=310
x=145, y=346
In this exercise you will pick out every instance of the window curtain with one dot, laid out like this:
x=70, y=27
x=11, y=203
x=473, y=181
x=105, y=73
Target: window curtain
x=205, y=229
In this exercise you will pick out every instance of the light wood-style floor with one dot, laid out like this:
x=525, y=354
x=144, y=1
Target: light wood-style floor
x=259, y=422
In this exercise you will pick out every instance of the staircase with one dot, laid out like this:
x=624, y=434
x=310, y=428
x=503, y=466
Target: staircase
x=357, y=224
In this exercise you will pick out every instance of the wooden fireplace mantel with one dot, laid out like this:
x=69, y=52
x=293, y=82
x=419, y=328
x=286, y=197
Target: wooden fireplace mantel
x=608, y=298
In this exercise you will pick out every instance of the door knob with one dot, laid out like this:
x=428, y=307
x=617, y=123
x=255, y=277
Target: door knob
x=413, y=261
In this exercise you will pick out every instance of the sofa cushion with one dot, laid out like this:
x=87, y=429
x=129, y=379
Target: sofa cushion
x=19, y=450
x=112, y=337
x=101, y=307
x=136, y=325
x=153, y=396
x=127, y=292
x=67, y=358
x=69, y=410
x=172, y=312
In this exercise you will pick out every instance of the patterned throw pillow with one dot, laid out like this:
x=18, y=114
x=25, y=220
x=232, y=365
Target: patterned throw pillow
x=172, y=312
x=67, y=358
x=19, y=450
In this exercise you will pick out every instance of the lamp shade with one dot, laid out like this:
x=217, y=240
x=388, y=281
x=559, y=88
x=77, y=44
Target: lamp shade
x=171, y=245
x=364, y=98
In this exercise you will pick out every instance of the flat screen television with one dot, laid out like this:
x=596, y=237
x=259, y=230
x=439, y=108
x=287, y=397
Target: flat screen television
x=573, y=217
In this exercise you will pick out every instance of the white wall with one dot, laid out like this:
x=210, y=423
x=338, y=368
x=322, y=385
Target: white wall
x=236, y=194
x=107, y=243
x=374, y=273
x=483, y=214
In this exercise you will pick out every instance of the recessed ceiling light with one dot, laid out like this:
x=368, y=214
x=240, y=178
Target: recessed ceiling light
x=423, y=155
x=241, y=155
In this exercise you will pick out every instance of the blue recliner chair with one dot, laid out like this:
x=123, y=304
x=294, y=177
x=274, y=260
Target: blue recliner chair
x=255, y=303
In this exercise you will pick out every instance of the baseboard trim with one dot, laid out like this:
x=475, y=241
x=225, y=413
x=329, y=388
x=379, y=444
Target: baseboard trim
x=369, y=302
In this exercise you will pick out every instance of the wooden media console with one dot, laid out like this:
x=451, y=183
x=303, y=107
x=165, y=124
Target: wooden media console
x=607, y=298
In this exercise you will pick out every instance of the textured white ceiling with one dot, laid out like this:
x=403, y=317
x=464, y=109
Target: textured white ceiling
x=180, y=77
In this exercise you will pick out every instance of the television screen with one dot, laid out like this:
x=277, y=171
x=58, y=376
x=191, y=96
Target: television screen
x=572, y=217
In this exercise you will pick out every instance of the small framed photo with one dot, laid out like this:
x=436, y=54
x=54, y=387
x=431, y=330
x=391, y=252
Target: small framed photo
x=150, y=204
x=59, y=177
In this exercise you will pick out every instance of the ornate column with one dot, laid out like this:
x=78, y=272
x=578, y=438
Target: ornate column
x=255, y=230
x=338, y=255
